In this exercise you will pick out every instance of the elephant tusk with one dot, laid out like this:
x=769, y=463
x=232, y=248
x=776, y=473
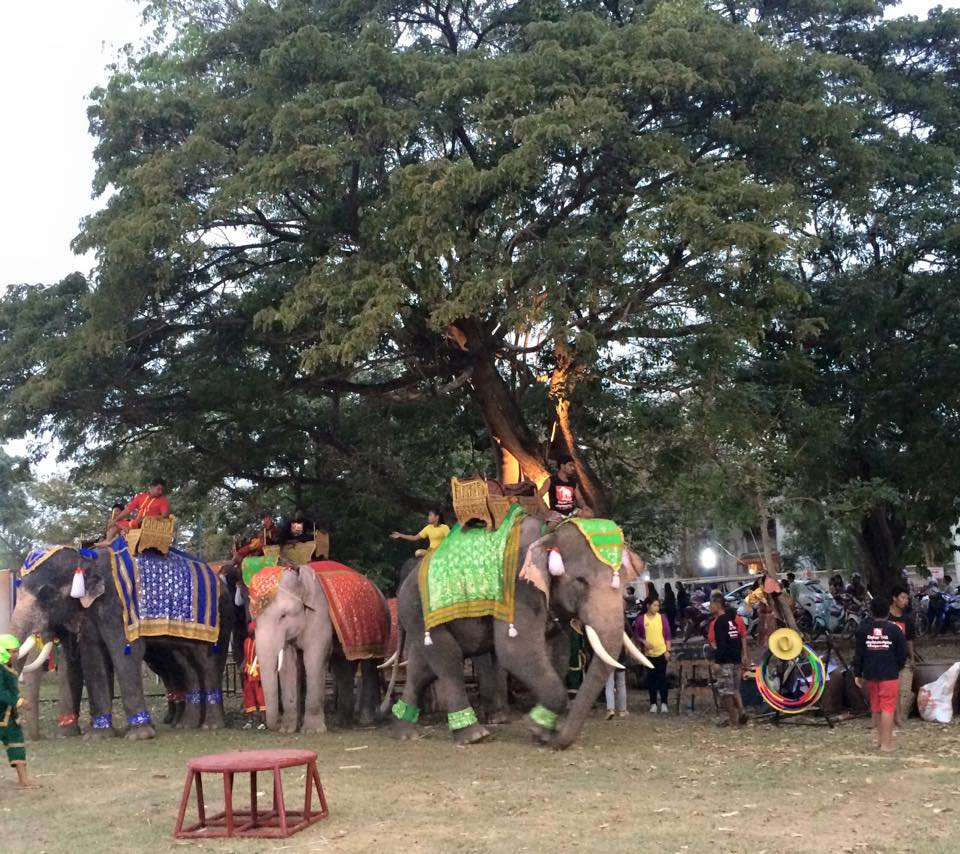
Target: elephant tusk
x=26, y=646
x=599, y=651
x=280, y=660
x=389, y=661
x=40, y=660
x=403, y=663
x=632, y=649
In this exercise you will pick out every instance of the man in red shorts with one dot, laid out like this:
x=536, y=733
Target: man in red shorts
x=880, y=655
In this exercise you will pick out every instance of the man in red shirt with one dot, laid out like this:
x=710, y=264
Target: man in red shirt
x=727, y=634
x=150, y=503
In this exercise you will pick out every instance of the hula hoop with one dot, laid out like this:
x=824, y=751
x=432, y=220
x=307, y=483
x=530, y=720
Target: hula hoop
x=818, y=679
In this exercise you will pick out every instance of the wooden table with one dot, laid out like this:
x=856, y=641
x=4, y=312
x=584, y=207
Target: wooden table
x=277, y=822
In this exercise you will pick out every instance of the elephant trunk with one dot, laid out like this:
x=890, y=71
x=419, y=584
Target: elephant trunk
x=26, y=619
x=269, y=657
x=611, y=638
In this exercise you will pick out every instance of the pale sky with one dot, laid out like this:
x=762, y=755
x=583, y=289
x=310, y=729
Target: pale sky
x=52, y=53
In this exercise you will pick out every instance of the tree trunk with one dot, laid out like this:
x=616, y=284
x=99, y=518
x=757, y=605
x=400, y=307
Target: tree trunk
x=878, y=543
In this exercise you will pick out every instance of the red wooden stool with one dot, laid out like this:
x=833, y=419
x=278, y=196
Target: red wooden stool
x=278, y=822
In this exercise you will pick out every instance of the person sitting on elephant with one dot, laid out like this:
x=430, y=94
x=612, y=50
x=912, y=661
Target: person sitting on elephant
x=153, y=502
x=298, y=530
x=434, y=532
x=268, y=535
x=11, y=735
x=563, y=492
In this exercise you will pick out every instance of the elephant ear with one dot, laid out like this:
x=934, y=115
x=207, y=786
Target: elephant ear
x=535, y=566
x=94, y=588
x=631, y=565
x=313, y=597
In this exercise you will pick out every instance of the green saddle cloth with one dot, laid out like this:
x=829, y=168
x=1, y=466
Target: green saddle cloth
x=604, y=537
x=473, y=573
x=252, y=565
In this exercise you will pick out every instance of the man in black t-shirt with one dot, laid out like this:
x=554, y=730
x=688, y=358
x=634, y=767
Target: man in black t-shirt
x=727, y=634
x=563, y=492
x=901, y=615
x=880, y=653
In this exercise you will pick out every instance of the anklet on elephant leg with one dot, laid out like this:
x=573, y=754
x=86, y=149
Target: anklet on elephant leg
x=194, y=698
x=139, y=719
x=462, y=719
x=214, y=697
x=542, y=716
x=403, y=712
x=103, y=721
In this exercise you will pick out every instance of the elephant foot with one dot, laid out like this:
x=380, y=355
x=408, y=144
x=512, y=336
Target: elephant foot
x=68, y=731
x=287, y=728
x=472, y=734
x=404, y=730
x=540, y=734
x=100, y=734
x=497, y=718
x=214, y=718
x=141, y=733
x=313, y=725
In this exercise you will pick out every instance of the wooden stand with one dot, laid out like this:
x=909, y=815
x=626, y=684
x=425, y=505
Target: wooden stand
x=277, y=822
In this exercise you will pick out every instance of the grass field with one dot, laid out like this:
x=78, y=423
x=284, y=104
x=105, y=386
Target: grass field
x=659, y=782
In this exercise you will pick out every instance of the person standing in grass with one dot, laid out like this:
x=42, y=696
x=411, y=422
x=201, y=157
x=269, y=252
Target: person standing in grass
x=11, y=735
x=652, y=631
x=881, y=652
x=727, y=635
x=901, y=615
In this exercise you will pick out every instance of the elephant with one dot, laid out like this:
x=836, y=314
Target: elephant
x=569, y=583
x=45, y=606
x=297, y=621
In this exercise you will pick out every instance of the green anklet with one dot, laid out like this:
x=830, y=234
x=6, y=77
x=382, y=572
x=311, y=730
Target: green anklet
x=464, y=718
x=542, y=716
x=403, y=712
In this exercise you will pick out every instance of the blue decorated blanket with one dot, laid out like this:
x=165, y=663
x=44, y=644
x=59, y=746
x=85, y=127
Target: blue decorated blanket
x=176, y=595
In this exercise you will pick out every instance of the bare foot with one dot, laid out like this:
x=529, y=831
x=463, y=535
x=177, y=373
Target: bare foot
x=888, y=749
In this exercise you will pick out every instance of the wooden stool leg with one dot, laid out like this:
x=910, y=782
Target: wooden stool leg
x=320, y=795
x=228, y=801
x=308, y=795
x=184, y=799
x=281, y=806
x=201, y=811
x=253, y=798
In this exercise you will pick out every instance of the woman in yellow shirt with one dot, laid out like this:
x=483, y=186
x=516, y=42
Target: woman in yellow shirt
x=435, y=532
x=652, y=632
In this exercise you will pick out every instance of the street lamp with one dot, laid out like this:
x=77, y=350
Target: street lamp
x=708, y=558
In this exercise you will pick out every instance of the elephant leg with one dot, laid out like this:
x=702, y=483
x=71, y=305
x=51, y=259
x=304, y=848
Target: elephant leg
x=406, y=711
x=344, y=674
x=194, y=708
x=98, y=678
x=69, y=688
x=316, y=665
x=211, y=672
x=369, y=700
x=445, y=658
x=128, y=668
x=492, y=685
x=532, y=665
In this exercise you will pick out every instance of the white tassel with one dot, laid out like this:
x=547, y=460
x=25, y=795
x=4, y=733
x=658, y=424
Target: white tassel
x=78, y=589
x=238, y=598
x=616, y=580
x=512, y=631
x=555, y=563
x=427, y=640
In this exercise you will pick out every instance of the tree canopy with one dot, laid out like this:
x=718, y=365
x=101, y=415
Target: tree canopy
x=348, y=250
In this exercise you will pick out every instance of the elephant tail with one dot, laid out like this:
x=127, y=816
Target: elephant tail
x=397, y=658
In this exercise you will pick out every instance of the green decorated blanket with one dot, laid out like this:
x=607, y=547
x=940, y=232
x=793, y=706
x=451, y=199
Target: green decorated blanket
x=604, y=538
x=473, y=573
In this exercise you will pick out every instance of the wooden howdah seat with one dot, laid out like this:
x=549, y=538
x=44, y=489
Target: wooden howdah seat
x=301, y=553
x=476, y=499
x=155, y=532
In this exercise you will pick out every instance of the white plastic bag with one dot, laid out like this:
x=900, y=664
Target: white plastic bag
x=935, y=700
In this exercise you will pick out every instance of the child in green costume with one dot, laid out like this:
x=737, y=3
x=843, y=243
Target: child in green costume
x=10, y=704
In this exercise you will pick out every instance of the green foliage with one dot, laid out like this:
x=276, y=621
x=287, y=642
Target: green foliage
x=736, y=217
